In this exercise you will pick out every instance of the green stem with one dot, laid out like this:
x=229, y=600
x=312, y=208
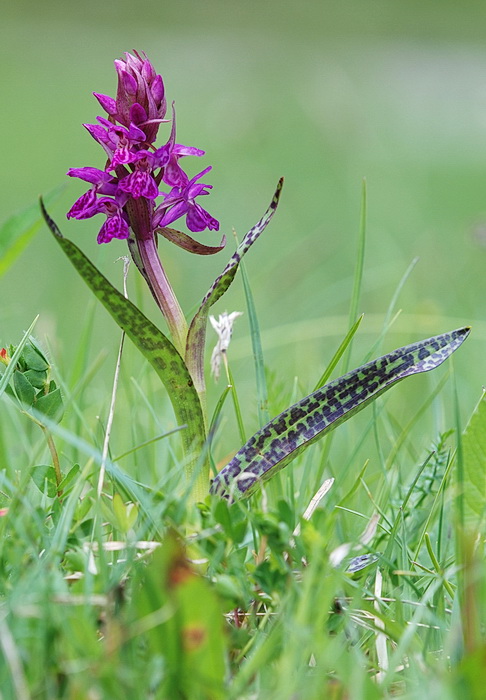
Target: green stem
x=51, y=445
x=236, y=403
x=54, y=455
x=154, y=272
x=437, y=566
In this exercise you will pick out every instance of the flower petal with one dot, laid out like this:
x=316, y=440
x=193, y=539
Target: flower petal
x=114, y=227
x=107, y=103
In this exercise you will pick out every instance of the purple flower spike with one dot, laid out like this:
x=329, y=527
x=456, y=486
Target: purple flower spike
x=127, y=189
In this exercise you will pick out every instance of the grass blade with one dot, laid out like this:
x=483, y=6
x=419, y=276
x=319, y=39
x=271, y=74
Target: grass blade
x=287, y=435
x=358, y=274
x=339, y=353
x=7, y=375
x=256, y=343
x=18, y=230
x=474, y=468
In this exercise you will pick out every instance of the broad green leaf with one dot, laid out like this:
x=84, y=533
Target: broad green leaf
x=18, y=230
x=153, y=345
x=197, y=330
x=287, y=435
x=33, y=358
x=69, y=477
x=37, y=379
x=44, y=477
x=233, y=523
x=125, y=514
x=51, y=405
x=24, y=389
x=474, y=462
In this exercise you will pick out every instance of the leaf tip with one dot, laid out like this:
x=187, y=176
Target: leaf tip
x=50, y=222
x=462, y=333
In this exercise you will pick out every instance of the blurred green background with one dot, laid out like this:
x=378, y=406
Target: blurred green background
x=324, y=93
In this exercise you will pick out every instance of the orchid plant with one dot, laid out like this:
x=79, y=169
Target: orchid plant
x=142, y=191
x=127, y=190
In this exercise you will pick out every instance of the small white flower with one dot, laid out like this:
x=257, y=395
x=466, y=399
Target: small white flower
x=223, y=327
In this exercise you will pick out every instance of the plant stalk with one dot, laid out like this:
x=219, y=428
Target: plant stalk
x=154, y=273
x=54, y=455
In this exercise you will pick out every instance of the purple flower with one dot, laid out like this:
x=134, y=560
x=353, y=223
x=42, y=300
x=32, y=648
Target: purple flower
x=140, y=183
x=102, y=182
x=118, y=141
x=84, y=207
x=135, y=167
x=180, y=201
x=115, y=226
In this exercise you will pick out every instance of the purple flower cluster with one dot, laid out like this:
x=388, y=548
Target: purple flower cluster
x=136, y=168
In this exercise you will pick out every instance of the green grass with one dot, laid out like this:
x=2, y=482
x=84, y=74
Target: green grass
x=131, y=592
x=134, y=593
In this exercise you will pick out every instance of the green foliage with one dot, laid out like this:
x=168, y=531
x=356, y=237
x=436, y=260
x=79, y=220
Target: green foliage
x=182, y=374
x=291, y=432
x=32, y=386
x=17, y=231
x=156, y=348
x=9, y=369
x=44, y=477
x=240, y=603
x=474, y=466
x=122, y=590
x=342, y=588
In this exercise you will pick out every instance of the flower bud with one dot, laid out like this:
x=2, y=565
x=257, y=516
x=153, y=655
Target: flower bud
x=140, y=95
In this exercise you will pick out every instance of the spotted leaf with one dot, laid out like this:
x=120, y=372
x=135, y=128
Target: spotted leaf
x=151, y=342
x=197, y=330
x=287, y=435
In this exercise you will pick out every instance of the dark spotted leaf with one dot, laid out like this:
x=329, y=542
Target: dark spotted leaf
x=197, y=330
x=287, y=435
x=151, y=342
x=361, y=562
